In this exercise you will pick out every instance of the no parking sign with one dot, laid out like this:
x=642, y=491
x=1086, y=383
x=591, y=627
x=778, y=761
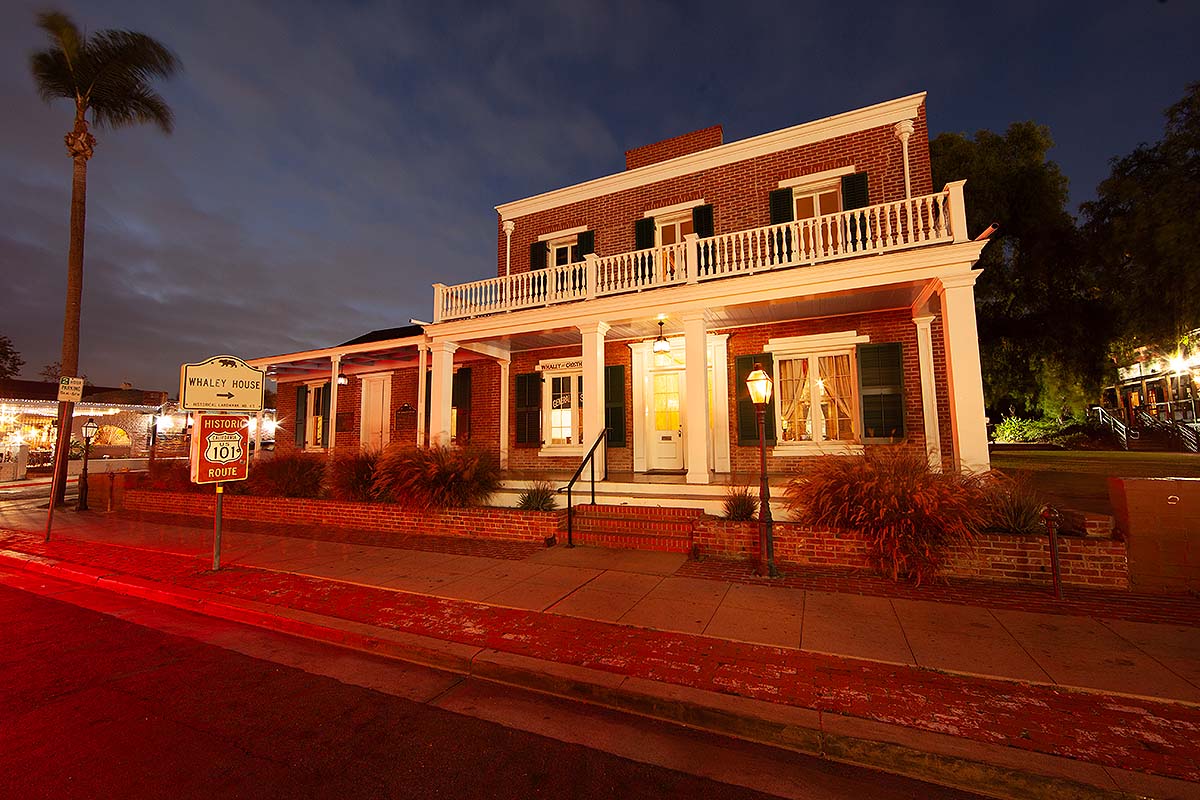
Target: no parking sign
x=220, y=448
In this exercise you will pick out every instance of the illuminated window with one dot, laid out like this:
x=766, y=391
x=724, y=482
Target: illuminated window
x=563, y=404
x=821, y=410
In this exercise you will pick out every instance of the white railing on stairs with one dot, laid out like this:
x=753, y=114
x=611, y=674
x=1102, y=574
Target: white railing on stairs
x=886, y=227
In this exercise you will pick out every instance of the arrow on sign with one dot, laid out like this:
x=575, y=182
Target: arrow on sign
x=227, y=395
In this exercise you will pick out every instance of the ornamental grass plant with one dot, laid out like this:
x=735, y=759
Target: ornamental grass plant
x=435, y=477
x=541, y=496
x=910, y=515
x=1014, y=503
x=740, y=503
x=351, y=475
x=288, y=475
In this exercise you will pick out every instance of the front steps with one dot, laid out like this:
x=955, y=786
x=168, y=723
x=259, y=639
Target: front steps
x=635, y=527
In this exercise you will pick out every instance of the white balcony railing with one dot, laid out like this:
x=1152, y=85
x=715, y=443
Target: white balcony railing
x=899, y=225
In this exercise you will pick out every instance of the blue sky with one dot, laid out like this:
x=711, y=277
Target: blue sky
x=332, y=160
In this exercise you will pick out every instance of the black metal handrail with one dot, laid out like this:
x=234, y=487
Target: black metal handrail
x=590, y=458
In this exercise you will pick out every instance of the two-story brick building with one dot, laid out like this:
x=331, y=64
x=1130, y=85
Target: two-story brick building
x=639, y=302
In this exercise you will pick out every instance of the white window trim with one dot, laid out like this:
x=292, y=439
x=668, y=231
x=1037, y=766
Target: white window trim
x=550, y=369
x=675, y=209
x=563, y=234
x=309, y=416
x=816, y=180
x=812, y=347
x=362, y=406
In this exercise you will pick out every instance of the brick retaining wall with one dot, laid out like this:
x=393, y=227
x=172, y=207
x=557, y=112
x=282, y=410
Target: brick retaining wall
x=482, y=522
x=1094, y=562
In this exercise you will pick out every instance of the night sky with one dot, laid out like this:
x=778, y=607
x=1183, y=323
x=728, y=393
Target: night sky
x=332, y=160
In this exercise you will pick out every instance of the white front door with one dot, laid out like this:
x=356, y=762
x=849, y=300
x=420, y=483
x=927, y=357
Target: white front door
x=666, y=420
x=376, y=409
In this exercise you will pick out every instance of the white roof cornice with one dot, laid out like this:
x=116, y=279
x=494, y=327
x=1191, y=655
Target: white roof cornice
x=887, y=113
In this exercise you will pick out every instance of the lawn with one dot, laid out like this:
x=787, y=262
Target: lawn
x=1079, y=478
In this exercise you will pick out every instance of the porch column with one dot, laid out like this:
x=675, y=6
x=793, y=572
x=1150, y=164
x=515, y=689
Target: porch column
x=336, y=364
x=422, y=368
x=966, y=378
x=695, y=354
x=933, y=436
x=504, y=365
x=441, y=389
x=593, y=389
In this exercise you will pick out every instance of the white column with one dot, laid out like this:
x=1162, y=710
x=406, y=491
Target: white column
x=904, y=129
x=504, y=365
x=593, y=389
x=968, y=423
x=336, y=365
x=933, y=436
x=695, y=372
x=509, y=227
x=441, y=389
x=422, y=368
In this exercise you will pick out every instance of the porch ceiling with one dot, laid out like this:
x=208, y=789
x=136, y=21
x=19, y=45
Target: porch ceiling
x=313, y=366
x=881, y=298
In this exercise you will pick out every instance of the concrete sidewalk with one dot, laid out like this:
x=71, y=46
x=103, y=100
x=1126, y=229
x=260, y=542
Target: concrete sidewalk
x=519, y=590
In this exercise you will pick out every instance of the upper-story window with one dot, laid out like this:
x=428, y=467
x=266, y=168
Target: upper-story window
x=561, y=248
x=672, y=228
x=812, y=202
x=818, y=194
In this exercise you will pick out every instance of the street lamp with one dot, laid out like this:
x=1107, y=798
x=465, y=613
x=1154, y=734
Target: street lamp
x=758, y=382
x=89, y=430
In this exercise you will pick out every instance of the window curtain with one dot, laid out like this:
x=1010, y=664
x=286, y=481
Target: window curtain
x=794, y=395
x=835, y=373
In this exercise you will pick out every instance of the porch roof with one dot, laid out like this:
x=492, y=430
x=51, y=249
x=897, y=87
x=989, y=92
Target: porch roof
x=379, y=350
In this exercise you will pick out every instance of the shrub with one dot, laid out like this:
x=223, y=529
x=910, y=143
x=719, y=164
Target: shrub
x=539, y=497
x=1014, y=430
x=435, y=477
x=349, y=475
x=910, y=515
x=289, y=475
x=1014, y=505
x=740, y=504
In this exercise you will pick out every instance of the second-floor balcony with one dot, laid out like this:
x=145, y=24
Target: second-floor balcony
x=932, y=219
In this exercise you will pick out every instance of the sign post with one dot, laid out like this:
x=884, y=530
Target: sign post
x=70, y=392
x=220, y=442
x=220, y=453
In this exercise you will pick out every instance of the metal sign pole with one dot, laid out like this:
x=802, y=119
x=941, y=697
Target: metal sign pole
x=217, y=530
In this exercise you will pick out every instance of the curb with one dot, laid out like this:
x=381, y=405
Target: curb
x=993, y=770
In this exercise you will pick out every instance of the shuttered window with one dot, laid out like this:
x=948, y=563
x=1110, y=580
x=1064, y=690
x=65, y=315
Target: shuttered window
x=538, y=253
x=587, y=243
x=528, y=420
x=643, y=233
x=781, y=206
x=855, y=195
x=702, y=220
x=614, y=404
x=301, y=420
x=747, y=420
x=881, y=384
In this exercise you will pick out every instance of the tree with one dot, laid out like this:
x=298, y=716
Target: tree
x=10, y=360
x=109, y=75
x=1144, y=227
x=1042, y=334
x=53, y=371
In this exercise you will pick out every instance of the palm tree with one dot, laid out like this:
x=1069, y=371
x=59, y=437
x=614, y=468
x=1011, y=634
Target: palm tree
x=108, y=74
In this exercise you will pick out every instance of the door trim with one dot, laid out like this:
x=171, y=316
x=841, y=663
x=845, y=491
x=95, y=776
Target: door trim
x=385, y=378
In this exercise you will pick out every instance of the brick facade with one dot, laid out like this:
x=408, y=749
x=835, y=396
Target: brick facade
x=674, y=147
x=738, y=192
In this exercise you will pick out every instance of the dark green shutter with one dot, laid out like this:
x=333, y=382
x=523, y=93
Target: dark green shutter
x=643, y=233
x=702, y=220
x=614, y=404
x=460, y=398
x=587, y=243
x=428, y=401
x=301, y=414
x=528, y=420
x=326, y=396
x=881, y=386
x=782, y=208
x=538, y=251
x=747, y=420
x=854, y=191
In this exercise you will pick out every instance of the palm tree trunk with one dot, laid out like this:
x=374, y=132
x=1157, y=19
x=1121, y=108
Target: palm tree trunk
x=80, y=144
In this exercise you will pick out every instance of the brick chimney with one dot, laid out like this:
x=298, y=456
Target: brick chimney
x=686, y=144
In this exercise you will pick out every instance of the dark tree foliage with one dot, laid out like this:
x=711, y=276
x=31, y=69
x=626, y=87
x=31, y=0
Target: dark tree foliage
x=1144, y=229
x=10, y=360
x=1042, y=328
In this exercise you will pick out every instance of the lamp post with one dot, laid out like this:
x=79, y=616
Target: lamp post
x=89, y=430
x=758, y=382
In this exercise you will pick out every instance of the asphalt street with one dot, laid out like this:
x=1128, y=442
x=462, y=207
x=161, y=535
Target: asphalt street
x=107, y=696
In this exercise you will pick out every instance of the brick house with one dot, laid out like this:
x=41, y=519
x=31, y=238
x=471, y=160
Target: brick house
x=638, y=302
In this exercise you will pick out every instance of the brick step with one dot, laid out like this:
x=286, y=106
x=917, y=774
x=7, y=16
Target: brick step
x=647, y=512
x=633, y=525
x=631, y=541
